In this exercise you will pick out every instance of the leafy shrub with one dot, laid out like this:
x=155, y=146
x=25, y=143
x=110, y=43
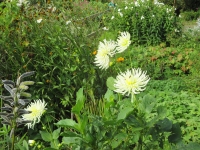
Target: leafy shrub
x=148, y=23
x=191, y=15
x=160, y=62
x=38, y=39
x=183, y=4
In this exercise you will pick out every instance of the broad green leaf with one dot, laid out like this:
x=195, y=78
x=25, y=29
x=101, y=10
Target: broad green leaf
x=49, y=148
x=136, y=137
x=80, y=99
x=161, y=110
x=56, y=133
x=71, y=140
x=68, y=123
x=109, y=96
x=108, y=103
x=118, y=139
x=46, y=136
x=134, y=122
x=165, y=125
x=54, y=144
x=25, y=145
x=83, y=123
x=20, y=147
x=110, y=83
x=193, y=146
x=147, y=104
x=176, y=134
x=124, y=113
x=70, y=134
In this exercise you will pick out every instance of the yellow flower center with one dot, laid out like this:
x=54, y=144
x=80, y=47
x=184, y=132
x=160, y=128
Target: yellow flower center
x=104, y=52
x=131, y=82
x=124, y=42
x=34, y=112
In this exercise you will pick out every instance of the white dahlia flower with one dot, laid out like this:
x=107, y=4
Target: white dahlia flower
x=36, y=108
x=106, y=49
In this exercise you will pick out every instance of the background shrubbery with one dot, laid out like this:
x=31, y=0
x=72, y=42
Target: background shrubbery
x=147, y=22
x=61, y=53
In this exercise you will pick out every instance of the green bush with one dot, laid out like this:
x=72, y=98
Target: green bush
x=148, y=23
x=38, y=39
x=191, y=15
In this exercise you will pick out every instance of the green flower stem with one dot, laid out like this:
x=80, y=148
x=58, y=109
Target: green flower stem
x=140, y=117
x=12, y=134
x=132, y=97
x=13, y=138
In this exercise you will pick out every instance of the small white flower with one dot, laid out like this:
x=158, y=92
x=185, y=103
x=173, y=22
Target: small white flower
x=53, y=9
x=119, y=10
x=153, y=16
x=123, y=42
x=112, y=17
x=176, y=30
x=131, y=82
x=39, y=20
x=142, y=17
x=170, y=18
x=106, y=49
x=36, y=108
x=120, y=14
x=104, y=28
x=68, y=22
x=137, y=4
x=126, y=7
x=179, y=16
x=157, y=3
x=21, y=2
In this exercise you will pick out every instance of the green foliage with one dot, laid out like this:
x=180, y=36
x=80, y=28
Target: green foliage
x=161, y=62
x=148, y=23
x=122, y=125
x=191, y=15
x=60, y=53
x=51, y=138
x=4, y=138
x=164, y=62
x=181, y=105
x=176, y=3
x=183, y=4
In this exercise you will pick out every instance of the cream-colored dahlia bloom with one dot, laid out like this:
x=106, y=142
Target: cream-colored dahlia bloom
x=106, y=49
x=36, y=108
x=131, y=82
x=123, y=42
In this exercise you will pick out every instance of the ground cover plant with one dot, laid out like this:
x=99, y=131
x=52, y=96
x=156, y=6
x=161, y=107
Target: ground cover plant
x=99, y=83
